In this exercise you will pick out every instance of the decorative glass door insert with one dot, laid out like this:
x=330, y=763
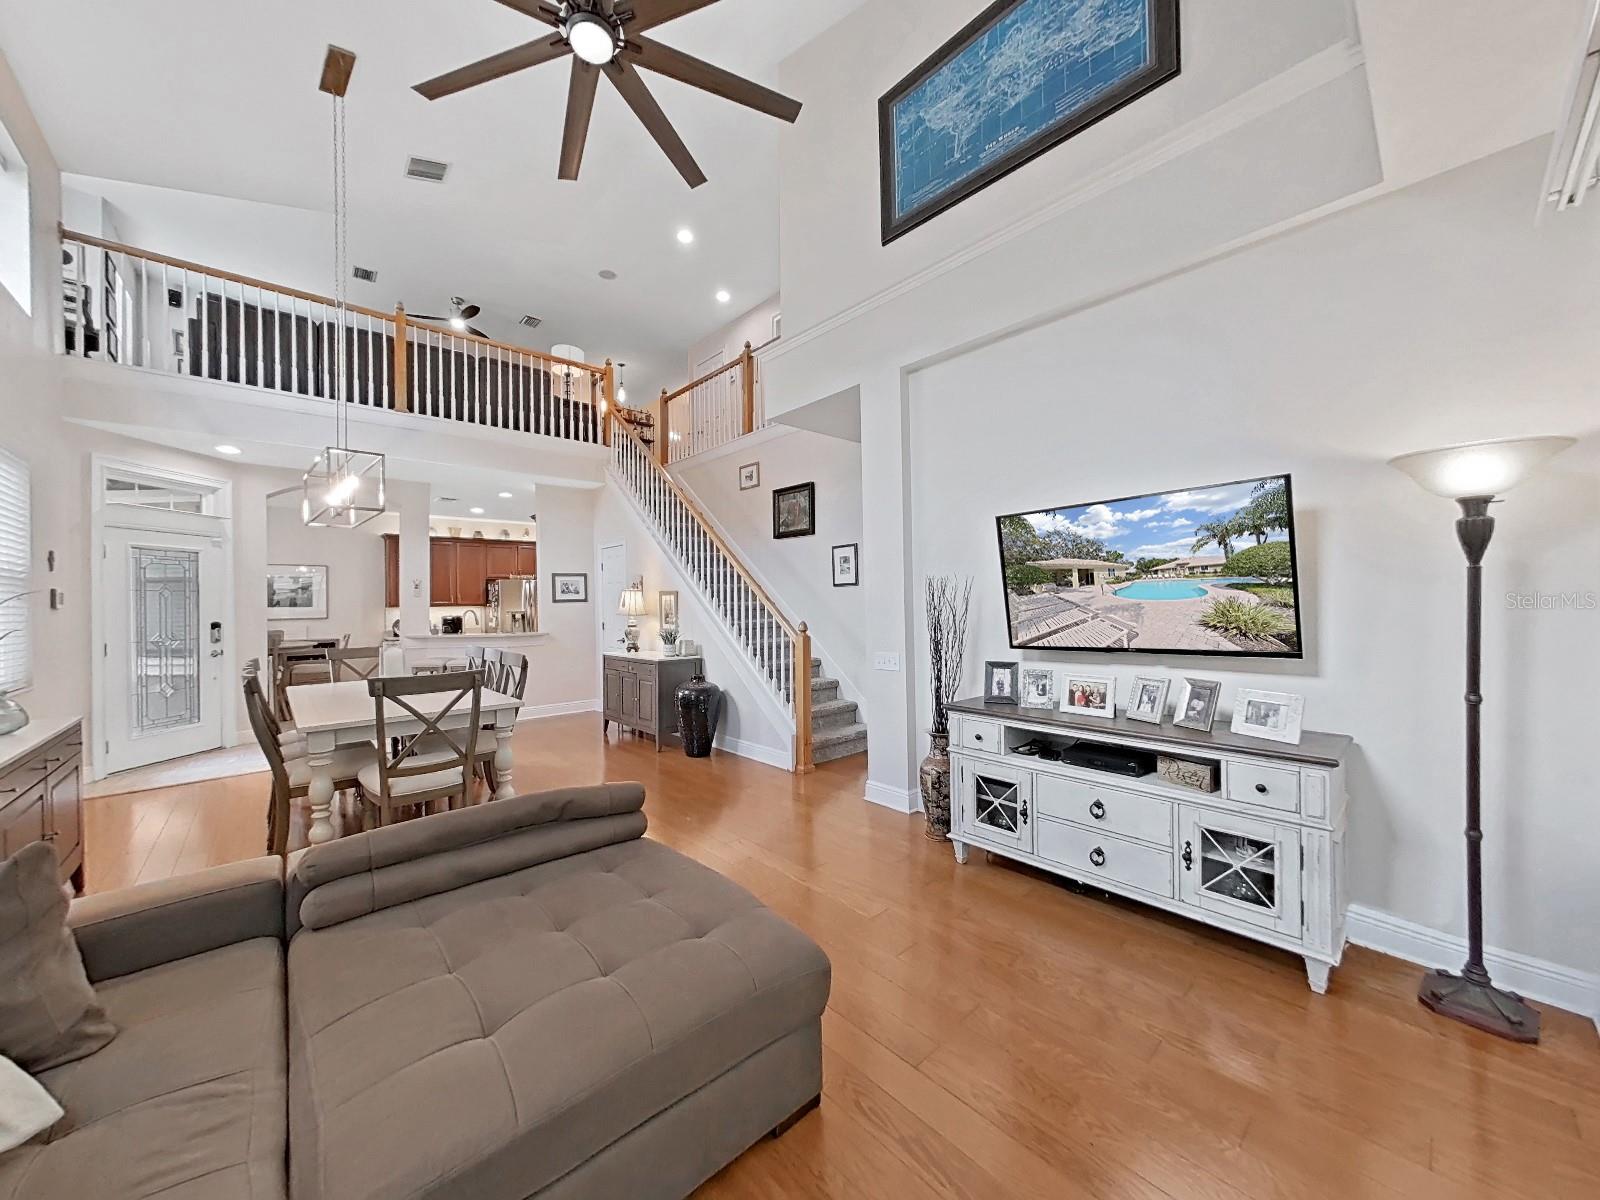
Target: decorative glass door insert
x=995, y=803
x=165, y=640
x=1241, y=867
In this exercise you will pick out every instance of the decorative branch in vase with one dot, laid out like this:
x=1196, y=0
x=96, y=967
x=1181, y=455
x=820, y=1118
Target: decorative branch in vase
x=12, y=715
x=949, y=600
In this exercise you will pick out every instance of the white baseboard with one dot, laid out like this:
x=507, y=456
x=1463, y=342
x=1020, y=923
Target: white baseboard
x=536, y=712
x=756, y=751
x=1550, y=983
x=903, y=800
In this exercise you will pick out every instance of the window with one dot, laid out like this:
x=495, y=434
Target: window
x=16, y=556
x=16, y=250
x=128, y=488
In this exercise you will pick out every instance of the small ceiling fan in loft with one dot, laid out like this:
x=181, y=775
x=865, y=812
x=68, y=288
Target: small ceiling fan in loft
x=460, y=314
x=607, y=36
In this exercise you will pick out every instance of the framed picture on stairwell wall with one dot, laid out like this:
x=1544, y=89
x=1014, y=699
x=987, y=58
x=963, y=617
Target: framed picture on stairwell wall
x=794, y=511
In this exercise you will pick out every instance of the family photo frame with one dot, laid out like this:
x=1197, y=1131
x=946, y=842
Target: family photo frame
x=1089, y=695
x=1275, y=716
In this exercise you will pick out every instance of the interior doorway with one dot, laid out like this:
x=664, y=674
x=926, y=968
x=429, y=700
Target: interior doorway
x=613, y=580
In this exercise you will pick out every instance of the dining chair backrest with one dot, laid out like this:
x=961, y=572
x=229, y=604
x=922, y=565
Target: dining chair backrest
x=513, y=673
x=261, y=724
x=491, y=668
x=452, y=693
x=344, y=642
x=274, y=637
x=362, y=662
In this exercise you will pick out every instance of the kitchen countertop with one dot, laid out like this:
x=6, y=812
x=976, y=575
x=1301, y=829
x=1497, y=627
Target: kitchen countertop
x=474, y=636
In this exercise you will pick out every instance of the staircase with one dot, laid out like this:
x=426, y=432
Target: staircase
x=776, y=649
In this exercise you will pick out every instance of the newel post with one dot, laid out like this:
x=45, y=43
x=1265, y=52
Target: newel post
x=664, y=438
x=747, y=374
x=802, y=702
x=401, y=378
x=608, y=402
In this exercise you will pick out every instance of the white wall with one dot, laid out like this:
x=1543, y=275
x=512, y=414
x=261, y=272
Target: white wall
x=564, y=673
x=1434, y=315
x=796, y=571
x=354, y=558
x=727, y=343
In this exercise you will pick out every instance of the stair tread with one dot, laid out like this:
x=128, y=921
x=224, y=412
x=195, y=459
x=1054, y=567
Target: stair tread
x=845, y=733
x=821, y=681
x=824, y=708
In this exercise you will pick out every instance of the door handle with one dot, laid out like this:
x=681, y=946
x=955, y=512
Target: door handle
x=216, y=654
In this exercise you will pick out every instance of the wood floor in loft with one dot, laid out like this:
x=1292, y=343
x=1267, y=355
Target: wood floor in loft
x=992, y=1033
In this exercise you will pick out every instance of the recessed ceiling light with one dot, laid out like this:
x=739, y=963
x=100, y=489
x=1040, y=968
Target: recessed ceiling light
x=608, y=274
x=505, y=495
x=477, y=512
x=227, y=449
x=723, y=296
x=685, y=236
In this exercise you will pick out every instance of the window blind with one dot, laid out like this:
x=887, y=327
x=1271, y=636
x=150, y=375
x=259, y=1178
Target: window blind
x=16, y=557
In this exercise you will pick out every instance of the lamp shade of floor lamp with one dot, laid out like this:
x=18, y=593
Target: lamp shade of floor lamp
x=1473, y=476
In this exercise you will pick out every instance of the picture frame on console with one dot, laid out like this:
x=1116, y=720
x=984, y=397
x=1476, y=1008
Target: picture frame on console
x=1197, y=703
x=1089, y=695
x=1275, y=716
x=1038, y=688
x=1000, y=682
x=1148, y=699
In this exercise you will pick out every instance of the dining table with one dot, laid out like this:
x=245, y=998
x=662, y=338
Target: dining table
x=335, y=715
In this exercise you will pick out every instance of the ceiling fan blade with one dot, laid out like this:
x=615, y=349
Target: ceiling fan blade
x=532, y=8
x=580, y=107
x=647, y=14
x=420, y=317
x=685, y=68
x=471, y=311
x=476, y=332
x=496, y=66
x=627, y=81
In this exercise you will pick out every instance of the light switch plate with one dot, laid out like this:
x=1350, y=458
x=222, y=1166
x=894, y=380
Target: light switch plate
x=885, y=662
x=58, y=598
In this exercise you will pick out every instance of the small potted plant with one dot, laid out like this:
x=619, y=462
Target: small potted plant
x=669, y=640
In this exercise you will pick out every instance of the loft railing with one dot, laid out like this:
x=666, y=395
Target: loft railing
x=141, y=309
x=777, y=648
x=712, y=411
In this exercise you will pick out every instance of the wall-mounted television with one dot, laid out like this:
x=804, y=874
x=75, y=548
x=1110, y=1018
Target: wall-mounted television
x=1202, y=570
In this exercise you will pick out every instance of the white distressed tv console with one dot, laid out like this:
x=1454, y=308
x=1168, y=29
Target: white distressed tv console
x=1262, y=856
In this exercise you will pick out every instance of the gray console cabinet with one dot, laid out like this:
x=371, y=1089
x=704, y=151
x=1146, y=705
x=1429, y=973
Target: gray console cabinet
x=638, y=693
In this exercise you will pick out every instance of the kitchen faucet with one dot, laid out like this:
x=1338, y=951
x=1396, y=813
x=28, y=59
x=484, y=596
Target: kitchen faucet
x=468, y=612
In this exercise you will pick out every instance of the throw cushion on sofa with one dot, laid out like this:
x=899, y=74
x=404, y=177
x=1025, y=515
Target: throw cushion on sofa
x=48, y=1011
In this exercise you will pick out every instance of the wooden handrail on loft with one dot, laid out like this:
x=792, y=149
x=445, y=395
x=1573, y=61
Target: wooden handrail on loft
x=799, y=633
x=745, y=363
x=604, y=376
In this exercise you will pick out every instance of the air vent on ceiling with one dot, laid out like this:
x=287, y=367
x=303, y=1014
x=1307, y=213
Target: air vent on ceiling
x=428, y=169
x=531, y=321
x=365, y=274
x=447, y=499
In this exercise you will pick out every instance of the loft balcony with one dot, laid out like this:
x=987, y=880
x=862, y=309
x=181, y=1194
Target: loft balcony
x=146, y=312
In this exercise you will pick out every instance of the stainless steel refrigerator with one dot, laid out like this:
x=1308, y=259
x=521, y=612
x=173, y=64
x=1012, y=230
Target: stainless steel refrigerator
x=513, y=605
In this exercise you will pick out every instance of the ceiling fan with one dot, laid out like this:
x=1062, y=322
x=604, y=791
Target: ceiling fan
x=606, y=36
x=460, y=314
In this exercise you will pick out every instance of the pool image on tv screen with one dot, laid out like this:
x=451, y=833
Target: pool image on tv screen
x=1206, y=570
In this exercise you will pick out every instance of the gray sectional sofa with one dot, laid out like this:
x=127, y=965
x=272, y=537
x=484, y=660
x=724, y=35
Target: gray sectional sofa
x=522, y=999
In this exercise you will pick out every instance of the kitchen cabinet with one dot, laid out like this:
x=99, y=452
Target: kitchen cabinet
x=459, y=569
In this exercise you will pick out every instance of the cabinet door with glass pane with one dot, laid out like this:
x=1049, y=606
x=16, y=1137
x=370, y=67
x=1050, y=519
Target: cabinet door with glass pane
x=996, y=803
x=1240, y=867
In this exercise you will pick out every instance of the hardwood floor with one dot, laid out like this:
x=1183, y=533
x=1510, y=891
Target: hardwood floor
x=993, y=1033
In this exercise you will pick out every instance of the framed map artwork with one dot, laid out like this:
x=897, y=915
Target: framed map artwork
x=1023, y=77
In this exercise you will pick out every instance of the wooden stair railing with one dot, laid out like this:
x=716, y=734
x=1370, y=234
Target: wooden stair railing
x=777, y=648
x=138, y=308
x=712, y=410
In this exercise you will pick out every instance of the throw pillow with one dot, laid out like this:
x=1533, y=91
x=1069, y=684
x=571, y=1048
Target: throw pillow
x=26, y=1109
x=48, y=1011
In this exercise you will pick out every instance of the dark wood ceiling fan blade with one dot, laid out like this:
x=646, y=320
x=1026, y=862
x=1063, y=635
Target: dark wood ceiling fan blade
x=647, y=14
x=685, y=68
x=476, y=332
x=496, y=66
x=627, y=81
x=471, y=311
x=534, y=9
x=421, y=317
x=580, y=107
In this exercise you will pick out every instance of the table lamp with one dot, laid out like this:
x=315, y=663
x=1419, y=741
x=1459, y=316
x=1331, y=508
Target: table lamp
x=632, y=607
x=1473, y=476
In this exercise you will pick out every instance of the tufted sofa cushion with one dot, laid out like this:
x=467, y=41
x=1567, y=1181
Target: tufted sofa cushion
x=481, y=1042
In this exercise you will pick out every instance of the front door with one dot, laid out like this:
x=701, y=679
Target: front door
x=164, y=662
x=613, y=581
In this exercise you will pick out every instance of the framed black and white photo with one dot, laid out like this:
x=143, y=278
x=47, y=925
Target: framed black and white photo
x=1197, y=703
x=1148, y=700
x=669, y=610
x=1089, y=695
x=569, y=589
x=847, y=565
x=1038, y=687
x=297, y=593
x=1000, y=682
x=794, y=511
x=1275, y=716
x=749, y=476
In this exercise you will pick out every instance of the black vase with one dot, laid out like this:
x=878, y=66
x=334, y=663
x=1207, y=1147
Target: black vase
x=699, y=706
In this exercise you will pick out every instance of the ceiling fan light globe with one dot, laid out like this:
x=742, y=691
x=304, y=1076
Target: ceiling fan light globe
x=458, y=323
x=591, y=38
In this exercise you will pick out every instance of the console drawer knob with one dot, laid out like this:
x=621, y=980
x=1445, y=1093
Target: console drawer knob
x=1097, y=810
x=1097, y=856
x=1262, y=788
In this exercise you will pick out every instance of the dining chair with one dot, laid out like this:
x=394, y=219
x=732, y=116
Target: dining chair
x=491, y=668
x=513, y=681
x=291, y=777
x=363, y=662
x=432, y=766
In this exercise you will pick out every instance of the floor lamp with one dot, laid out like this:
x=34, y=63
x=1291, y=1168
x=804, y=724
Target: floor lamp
x=1474, y=476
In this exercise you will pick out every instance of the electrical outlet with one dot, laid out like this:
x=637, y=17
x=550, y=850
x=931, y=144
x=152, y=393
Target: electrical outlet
x=885, y=662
